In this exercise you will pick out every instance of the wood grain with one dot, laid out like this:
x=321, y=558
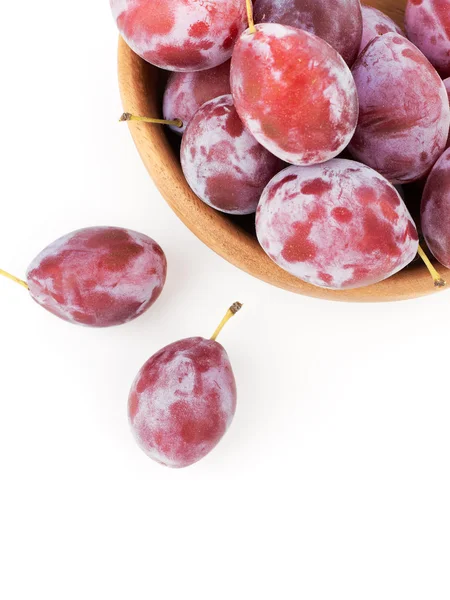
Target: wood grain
x=141, y=87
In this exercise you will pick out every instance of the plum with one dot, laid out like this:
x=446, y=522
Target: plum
x=181, y=35
x=338, y=22
x=98, y=276
x=183, y=399
x=376, y=23
x=294, y=93
x=404, y=114
x=186, y=92
x=435, y=210
x=222, y=162
x=427, y=24
x=337, y=225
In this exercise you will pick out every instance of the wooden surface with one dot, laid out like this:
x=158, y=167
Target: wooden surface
x=141, y=87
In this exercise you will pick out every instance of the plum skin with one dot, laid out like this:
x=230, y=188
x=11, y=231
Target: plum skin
x=435, y=210
x=427, y=24
x=338, y=22
x=182, y=401
x=98, y=276
x=186, y=92
x=376, y=23
x=404, y=114
x=294, y=93
x=222, y=162
x=338, y=225
x=447, y=87
x=181, y=35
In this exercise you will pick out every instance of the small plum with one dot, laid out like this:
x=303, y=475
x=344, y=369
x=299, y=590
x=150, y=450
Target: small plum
x=435, y=210
x=181, y=35
x=338, y=22
x=338, y=225
x=183, y=400
x=427, y=24
x=186, y=92
x=376, y=23
x=404, y=113
x=294, y=93
x=98, y=276
x=222, y=162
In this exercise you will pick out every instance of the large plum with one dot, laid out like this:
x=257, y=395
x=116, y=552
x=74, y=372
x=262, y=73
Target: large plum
x=338, y=225
x=404, y=114
x=294, y=93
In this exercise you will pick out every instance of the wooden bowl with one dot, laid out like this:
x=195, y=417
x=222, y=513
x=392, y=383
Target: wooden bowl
x=141, y=87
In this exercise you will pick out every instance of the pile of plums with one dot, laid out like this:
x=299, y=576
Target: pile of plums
x=311, y=83
x=256, y=85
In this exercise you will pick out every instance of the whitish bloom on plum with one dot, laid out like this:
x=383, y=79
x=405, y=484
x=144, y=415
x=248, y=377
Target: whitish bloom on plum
x=183, y=401
x=427, y=25
x=294, y=93
x=338, y=225
x=376, y=23
x=222, y=162
x=338, y=22
x=181, y=35
x=404, y=114
x=186, y=92
x=435, y=210
x=98, y=276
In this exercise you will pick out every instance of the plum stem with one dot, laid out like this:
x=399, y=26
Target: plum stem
x=438, y=281
x=129, y=117
x=251, y=22
x=13, y=278
x=230, y=312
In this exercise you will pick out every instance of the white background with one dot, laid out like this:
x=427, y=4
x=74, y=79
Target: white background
x=333, y=481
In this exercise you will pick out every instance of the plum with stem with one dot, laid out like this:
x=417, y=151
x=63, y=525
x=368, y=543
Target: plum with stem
x=184, y=399
x=97, y=276
x=293, y=92
x=186, y=92
x=222, y=162
x=339, y=225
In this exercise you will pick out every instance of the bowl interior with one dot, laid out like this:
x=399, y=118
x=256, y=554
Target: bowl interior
x=233, y=238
